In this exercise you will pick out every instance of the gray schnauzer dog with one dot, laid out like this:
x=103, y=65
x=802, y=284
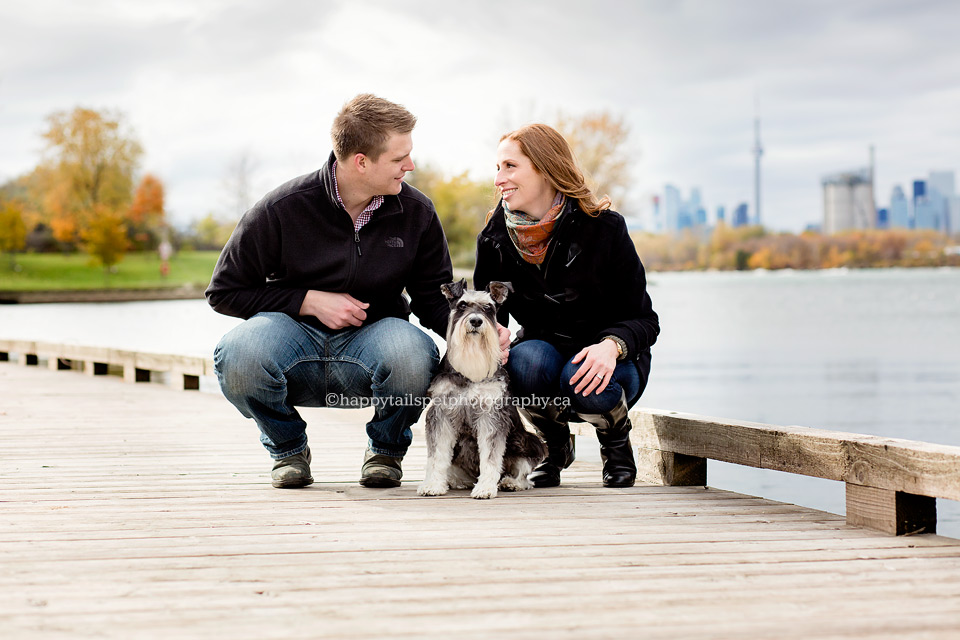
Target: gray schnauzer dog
x=475, y=437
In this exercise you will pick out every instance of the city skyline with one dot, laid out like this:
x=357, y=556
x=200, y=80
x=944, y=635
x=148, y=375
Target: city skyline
x=203, y=82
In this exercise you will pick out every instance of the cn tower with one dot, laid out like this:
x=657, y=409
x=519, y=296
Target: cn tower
x=757, y=152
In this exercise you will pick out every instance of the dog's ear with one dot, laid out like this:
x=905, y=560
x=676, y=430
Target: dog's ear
x=454, y=290
x=499, y=290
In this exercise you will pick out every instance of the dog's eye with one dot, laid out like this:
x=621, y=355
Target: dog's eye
x=489, y=308
x=461, y=305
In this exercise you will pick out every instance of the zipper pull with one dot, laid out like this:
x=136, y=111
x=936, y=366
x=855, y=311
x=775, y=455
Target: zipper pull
x=356, y=238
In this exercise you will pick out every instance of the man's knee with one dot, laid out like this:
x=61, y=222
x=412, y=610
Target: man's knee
x=407, y=354
x=246, y=354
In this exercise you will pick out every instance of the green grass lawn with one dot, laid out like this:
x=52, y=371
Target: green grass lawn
x=48, y=271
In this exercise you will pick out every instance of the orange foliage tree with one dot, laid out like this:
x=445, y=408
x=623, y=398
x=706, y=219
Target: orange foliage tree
x=89, y=166
x=146, y=213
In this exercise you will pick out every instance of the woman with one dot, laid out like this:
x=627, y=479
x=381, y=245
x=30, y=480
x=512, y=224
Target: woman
x=579, y=294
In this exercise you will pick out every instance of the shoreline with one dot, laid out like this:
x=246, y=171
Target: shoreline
x=100, y=295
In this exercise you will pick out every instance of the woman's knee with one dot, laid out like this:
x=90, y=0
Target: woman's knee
x=533, y=367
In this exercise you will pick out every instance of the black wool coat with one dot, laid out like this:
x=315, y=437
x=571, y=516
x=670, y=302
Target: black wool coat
x=591, y=284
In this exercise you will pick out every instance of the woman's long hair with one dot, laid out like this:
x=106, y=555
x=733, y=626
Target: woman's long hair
x=553, y=159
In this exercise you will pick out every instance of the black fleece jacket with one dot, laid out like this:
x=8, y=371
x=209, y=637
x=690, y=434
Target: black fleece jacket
x=298, y=238
x=590, y=285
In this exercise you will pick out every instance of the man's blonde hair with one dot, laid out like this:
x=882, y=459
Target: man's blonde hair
x=366, y=123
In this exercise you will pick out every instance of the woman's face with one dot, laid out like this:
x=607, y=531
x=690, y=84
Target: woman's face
x=520, y=185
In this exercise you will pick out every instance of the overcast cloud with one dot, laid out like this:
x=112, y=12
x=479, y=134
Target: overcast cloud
x=201, y=81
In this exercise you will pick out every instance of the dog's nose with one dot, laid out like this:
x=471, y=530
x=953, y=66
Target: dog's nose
x=475, y=322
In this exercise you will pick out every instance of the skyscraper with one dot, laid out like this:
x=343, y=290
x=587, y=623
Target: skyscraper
x=943, y=182
x=671, y=208
x=941, y=192
x=883, y=218
x=953, y=217
x=925, y=207
x=919, y=190
x=741, y=216
x=899, y=217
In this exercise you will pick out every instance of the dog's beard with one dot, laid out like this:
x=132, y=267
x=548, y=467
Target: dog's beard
x=474, y=354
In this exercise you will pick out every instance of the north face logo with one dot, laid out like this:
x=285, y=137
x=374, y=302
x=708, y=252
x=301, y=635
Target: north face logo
x=394, y=242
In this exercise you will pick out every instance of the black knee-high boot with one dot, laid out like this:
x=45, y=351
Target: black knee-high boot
x=560, y=444
x=613, y=432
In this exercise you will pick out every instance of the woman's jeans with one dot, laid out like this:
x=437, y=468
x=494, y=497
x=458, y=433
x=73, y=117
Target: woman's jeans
x=272, y=363
x=538, y=370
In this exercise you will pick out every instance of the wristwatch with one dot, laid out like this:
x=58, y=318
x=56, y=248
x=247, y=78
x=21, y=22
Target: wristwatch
x=621, y=347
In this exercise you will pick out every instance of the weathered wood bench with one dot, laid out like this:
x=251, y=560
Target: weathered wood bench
x=135, y=366
x=891, y=484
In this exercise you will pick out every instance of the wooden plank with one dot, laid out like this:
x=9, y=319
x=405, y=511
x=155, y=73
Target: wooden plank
x=899, y=465
x=138, y=511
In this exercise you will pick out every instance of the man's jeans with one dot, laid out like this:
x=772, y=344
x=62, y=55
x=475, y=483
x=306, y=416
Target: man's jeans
x=272, y=363
x=538, y=370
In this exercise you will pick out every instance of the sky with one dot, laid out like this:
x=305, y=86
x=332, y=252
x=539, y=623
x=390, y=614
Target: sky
x=203, y=83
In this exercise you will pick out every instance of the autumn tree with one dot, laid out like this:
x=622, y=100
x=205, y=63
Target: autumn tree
x=599, y=142
x=462, y=205
x=210, y=232
x=146, y=213
x=89, y=167
x=13, y=233
x=105, y=236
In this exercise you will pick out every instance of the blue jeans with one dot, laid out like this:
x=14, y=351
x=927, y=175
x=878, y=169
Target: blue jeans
x=537, y=369
x=272, y=363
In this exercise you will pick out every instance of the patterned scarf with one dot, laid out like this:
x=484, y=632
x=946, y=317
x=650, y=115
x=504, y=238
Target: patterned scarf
x=530, y=236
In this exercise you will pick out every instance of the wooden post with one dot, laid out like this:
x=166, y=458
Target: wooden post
x=92, y=368
x=59, y=364
x=893, y=512
x=670, y=469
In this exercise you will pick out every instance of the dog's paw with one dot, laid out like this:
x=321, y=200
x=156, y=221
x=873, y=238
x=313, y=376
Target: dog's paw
x=484, y=492
x=432, y=489
x=515, y=484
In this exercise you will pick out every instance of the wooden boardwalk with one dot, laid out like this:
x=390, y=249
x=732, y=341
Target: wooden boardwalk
x=138, y=511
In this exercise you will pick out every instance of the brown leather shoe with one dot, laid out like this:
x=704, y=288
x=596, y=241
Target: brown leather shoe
x=380, y=471
x=293, y=471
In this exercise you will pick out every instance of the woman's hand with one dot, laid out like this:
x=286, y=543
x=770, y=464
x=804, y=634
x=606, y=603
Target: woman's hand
x=599, y=361
x=504, y=335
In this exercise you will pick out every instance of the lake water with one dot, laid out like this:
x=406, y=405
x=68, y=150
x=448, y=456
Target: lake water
x=866, y=351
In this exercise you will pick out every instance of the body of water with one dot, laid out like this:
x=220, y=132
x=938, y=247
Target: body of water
x=865, y=351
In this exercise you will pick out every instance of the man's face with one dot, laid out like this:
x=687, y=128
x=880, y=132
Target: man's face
x=384, y=176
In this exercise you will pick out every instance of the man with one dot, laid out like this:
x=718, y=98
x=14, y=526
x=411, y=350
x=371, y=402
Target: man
x=317, y=268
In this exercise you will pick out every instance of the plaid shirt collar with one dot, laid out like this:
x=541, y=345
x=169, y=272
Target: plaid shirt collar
x=367, y=213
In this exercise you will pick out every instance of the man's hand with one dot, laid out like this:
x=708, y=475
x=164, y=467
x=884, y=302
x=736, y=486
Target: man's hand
x=334, y=310
x=599, y=361
x=504, y=334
